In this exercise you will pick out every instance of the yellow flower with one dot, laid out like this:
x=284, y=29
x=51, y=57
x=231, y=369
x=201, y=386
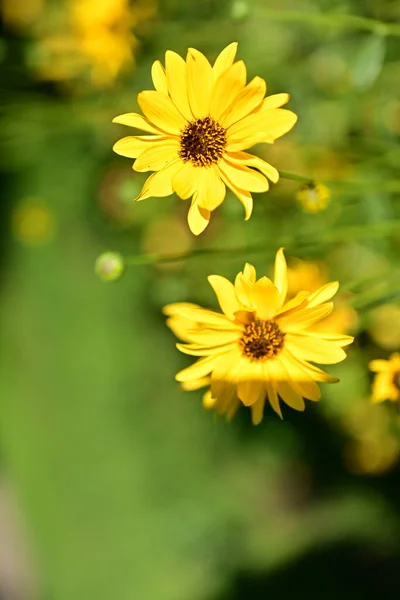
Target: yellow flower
x=305, y=275
x=92, y=40
x=386, y=384
x=313, y=197
x=260, y=347
x=201, y=118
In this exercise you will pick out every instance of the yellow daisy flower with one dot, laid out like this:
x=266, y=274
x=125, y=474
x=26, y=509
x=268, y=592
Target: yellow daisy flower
x=313, y=197
x=201, y=119
x=260, y=347
x=386, y=384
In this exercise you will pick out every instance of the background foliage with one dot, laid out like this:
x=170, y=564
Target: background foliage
x=126, y=487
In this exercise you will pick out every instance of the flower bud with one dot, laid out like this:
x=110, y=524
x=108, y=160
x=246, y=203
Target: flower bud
x=110, y=266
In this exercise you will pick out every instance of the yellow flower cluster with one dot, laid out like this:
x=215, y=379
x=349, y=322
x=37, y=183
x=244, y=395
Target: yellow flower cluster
x=199, y=121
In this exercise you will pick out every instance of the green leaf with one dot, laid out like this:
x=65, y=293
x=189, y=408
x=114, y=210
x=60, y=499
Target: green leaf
x=368, y=62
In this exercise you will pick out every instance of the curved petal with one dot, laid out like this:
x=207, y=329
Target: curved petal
x=246, y=102
x=198, y=370
x=243, y=177
x=271, y=391
x=301, y=380
x=270, y=124
x=199, y=78
x=257, y=410
x=249, y=272
x=314, y=349
x=323, y=294
x=226, y=88
x=211, y=190
x=245, y=197
x=225, y=292
x=138, y=121
x=300, y=320
x=198, y=218
x=185, y=181
x=225, y=59
x=266, y=298
x=133, y=146
x=245, y=159
x=283, y=385
x=176, y=80
x=158, y=77
x=244, y=291
x=161, y=111
x=159, y=184
x=280, y=275
x=250, y=387
x=275, y=101
x=157, y=157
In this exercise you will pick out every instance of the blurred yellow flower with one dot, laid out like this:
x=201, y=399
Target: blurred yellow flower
x=260, y=347
x=313, y=197
x=386, y=384
x=33, y=223
x=384, y=326
x=20, y=14
x=94, y=41
x=201, y=118
x=373, y=449
x=306, y=275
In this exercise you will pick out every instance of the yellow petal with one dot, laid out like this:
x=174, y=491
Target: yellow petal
x=176, y=79
x=249, y=272
x=158, y=77
x=300, y=320
x=159, y=184
x=137, y=121
x=198, y=218
x=285, y=390
x=270, y=124
x=175, y=307
x=382, y=388
x=211, y=189
x=212, y=336
x=245, y=102
x=266, y=298
x=185, y=181
x=225, y=59
x=275, y=101
x=323, y=294
x=208, y=317
x=302, y=380
x=226, y=89
x=314, y=372
x=199, y=78
x=225, y=292
x=199, y=369
x=314, y=349
x=245, y=197
x=244, y=178
x=379, y=365
x=195, y=384
x=280, y=275
x=133, y=146
x=257, y=411
x=157, y=157
x=245, y=159
x=161, y=111
x=197, y=350
x=293, y=305
x=244, y=291
x=271, y=392
x=250, y=387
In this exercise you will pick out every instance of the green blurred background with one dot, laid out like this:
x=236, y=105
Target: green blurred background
x=113, y=482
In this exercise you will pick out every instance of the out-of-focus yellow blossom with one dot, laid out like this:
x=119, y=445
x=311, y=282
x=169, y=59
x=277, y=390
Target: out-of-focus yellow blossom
x=313, y=197
x=20, y=14
x=384, y=326
x=373, y=448
x=260, y=347
x=306, y=275
x=33, y=223
x=202, y=118
x=95, y=40
x=386, y=384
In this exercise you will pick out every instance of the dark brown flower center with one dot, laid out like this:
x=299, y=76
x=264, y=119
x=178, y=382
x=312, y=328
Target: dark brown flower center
x=262, y=340
x=396, y=380
x=203, y=142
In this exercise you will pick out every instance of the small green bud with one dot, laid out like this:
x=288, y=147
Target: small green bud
x=239, y=10
x=110, y=266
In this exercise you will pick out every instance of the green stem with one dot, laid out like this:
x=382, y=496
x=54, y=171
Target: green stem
x=391, y=185
x=351, y=232
x=341, y=21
